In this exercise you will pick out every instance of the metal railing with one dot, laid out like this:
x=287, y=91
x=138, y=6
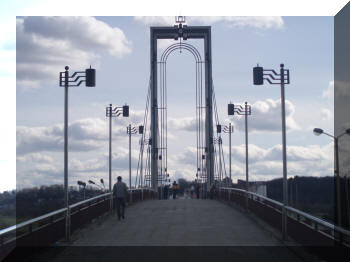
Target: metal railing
x=302, y=227
x=49, y=228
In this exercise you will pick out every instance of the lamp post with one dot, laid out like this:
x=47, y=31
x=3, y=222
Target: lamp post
x=317, y=132
x=273, y=78
x=83, y=184
x=246, y=111
x=89, y=77
x=131, y=130
x=229, y=129
x=103, y=183
x=93, y=183
x=113, y=112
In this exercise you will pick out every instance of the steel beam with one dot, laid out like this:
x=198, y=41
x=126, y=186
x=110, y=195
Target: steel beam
x=194, y=32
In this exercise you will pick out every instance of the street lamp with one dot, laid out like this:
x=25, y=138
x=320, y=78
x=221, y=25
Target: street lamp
x=93, y=183
x=103, y=183
x=229, y=129
x=83, y=184
x=89, y=77
x=246, y=111
x=131, y=131
x=317, y=132
x=270, y=75
x=113, y=112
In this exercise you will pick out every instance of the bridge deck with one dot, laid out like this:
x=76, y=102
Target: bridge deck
x=200, y=225
x=176, y=222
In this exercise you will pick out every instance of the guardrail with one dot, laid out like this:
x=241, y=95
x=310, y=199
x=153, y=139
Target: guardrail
x=49, y=228
x=306, y=229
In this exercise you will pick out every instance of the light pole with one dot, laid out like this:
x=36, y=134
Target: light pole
x=317, y=132
x=229, y=129
x=89, y=77
x=103, y=183
x=246, y=111
x=83, y=184
x=131, y=130
x=113, y=112
x=93, y=183
x=270, y=75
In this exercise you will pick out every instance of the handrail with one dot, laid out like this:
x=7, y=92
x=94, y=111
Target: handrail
x=31, y=221
x=89, y=200
x=45, y=216
x=56, y=212
x=255, y=194
x=310, y=217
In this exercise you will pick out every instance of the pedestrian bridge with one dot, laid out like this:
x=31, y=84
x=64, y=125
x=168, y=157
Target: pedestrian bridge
x=223, y=221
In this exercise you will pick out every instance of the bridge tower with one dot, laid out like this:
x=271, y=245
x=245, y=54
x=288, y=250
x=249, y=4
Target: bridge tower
x=184, y=32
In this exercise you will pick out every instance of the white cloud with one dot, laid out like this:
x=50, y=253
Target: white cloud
x=84, y=135
x=329, y=92
x=261, y=22
x=326, y=114
x=266, y=116
x=46, y=44
x=264, y=163
x=45, y=168
x=185, y=124
x=156, y=20
x=35, y=157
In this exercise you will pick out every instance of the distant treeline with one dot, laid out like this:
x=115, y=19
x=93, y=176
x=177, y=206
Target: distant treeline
x=16, y=207
x=314, y=195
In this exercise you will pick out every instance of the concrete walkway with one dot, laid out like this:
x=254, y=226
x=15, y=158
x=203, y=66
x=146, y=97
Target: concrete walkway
x=174, y=230
x=183, y=222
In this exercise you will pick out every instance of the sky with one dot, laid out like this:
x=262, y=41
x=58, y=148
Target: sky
x=118, y=48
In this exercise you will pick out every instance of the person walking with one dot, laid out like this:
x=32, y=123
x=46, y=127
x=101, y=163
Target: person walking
x=192, y=190
x=212, y=190
x=120, y=192
x=166, y=190
x=175, y=188
x=197, y=190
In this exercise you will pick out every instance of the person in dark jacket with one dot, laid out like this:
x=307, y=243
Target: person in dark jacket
x=175, y=188
x=120, y=192
x=212, y=190
x=166, y=190
x=198, y=187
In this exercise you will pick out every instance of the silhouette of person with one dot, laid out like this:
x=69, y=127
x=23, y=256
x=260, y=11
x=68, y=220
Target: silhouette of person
x=197, y=190
x=212, y=190
x=192, y=190
x=166, y=189
x=175, y=188
x=120, y=193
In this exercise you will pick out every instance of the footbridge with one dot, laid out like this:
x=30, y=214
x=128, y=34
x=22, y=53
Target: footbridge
x=222, y=217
